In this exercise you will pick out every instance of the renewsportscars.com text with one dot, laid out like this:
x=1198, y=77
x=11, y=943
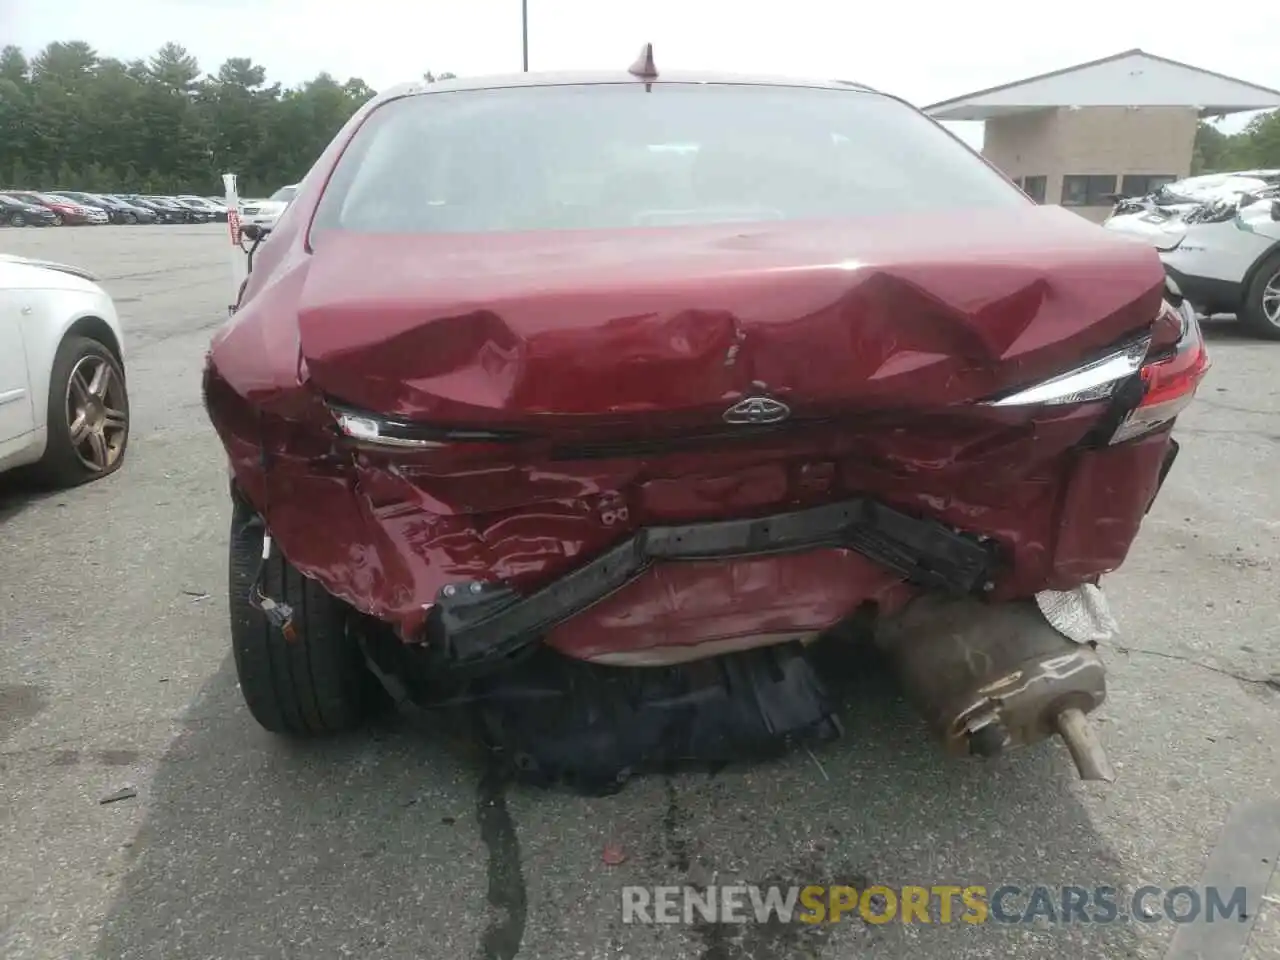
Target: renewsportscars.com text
x=972, y=904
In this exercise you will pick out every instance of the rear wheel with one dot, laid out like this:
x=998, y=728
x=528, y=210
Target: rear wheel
x=88, y=415
x=17, y=220
x=313, y=684
x=130, y=218
x=57, y=219
x=1261, y=312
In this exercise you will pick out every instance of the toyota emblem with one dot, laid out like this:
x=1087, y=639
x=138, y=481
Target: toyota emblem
x=757, y=410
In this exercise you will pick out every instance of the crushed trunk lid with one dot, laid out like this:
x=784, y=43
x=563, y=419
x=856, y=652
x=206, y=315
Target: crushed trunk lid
x=578, y=331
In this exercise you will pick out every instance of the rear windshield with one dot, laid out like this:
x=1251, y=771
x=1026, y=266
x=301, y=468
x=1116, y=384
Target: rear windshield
x=284, y=194
x=613, y=155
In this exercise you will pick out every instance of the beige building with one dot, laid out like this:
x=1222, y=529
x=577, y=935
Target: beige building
x=1123, y=124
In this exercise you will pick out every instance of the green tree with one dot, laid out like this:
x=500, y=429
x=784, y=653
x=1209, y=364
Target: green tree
x=1261, y=141
x=73, y=119
x=237, y=108
x=1257, y=146
x=14, y=66
x=70, y=64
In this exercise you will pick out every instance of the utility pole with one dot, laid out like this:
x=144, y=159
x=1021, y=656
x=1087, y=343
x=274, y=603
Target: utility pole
x=524, y=24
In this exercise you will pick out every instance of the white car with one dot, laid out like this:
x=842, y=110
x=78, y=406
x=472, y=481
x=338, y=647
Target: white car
x=1207, y=187
x=64, y=402
x=1224, y=257
x=265, y=213
x=1147, y=218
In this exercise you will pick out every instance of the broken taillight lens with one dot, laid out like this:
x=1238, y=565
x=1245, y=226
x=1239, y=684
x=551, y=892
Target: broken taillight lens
x=1170, y=377
x=1170, y=364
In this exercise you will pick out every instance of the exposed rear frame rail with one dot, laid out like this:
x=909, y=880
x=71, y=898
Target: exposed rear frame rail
x=476, y=625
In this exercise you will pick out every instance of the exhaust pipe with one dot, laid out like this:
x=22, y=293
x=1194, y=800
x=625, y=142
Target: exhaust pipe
x=989, y=677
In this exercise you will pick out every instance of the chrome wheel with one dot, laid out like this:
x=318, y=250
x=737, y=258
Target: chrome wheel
x=97, y=414
x=1271, y=300
x=18, y=220
x=57, y=219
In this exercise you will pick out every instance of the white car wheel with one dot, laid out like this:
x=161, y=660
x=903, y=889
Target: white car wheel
x=88, y=420
x=1261, y=313
x=1271, y=300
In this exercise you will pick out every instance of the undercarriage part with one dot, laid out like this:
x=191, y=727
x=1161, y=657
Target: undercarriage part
x=566, y=722
x=988, y=677
x=478, y=626
x=1086, y=749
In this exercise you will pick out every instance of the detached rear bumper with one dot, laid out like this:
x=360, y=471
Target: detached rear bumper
x=477, y=626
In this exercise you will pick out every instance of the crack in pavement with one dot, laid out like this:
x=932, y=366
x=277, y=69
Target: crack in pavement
x=1235, y=408
x=1272, y=681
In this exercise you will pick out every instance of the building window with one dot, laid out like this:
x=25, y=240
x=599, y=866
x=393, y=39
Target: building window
x=1088, y=190
x=1141, y=184
x=1034, y=187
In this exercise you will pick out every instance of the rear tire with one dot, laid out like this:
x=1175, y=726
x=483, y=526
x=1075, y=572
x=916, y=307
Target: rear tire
x=317, y=684
x=1261, y=311
x=18, y=220
x=65, y=463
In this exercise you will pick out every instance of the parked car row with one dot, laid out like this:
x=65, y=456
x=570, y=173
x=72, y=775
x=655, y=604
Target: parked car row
x=42, y=208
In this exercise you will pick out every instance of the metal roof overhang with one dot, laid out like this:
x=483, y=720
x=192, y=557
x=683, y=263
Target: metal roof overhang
x=995, y=111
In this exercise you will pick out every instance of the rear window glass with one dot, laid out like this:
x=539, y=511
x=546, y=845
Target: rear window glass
x=613, y=156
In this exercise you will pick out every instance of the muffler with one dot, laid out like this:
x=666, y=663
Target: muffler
x=988, y=677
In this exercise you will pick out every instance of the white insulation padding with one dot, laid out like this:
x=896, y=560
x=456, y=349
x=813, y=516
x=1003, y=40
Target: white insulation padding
x=1082, y=614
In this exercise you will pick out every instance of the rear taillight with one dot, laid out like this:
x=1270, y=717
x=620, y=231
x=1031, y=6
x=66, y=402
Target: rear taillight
x=1168, y=366
x=374, y=432
x=1096, y=380
x=377, y=432
x=1170, y=376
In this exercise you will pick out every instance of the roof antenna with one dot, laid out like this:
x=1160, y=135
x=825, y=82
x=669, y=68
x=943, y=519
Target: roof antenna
x=644, y=67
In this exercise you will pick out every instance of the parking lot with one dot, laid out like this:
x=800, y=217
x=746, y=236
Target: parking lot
x=116, y=672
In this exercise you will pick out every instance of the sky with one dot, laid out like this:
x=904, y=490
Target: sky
x=922, y=50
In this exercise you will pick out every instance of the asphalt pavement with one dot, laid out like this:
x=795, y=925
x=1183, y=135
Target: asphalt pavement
x=116, y=675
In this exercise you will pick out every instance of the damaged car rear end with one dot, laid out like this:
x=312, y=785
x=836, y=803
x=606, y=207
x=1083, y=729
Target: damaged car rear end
x=603, y=398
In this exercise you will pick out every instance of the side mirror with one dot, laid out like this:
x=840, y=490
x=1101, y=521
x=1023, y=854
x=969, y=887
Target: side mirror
x=251, y=231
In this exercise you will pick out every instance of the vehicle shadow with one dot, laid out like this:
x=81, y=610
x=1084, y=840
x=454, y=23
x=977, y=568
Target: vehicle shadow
x=18, y=492
x=398, y=843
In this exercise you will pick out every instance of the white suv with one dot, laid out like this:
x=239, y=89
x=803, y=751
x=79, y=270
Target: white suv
x=265, y=213
x=1225, y=258
x=1223, y=253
